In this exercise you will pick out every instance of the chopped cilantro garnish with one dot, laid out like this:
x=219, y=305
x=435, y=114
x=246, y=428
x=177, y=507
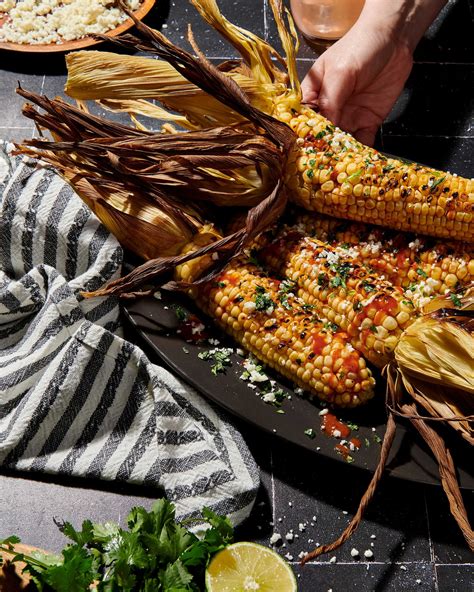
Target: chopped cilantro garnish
x=238, y=299
x=436, y=183
x=331, y=326
x=352, y=426
x=320, y=135
x=368, y=287
x=357, y=306
x=283, y=298
x=355, y=175
x=336, y=282
x=455, y=300
x=377, y=438
x=388, y=167
x=373, y=328
x=367, y=442
x=310, y=173
x=419, y=271
x=262, y=300
x=322, y=279
x=221, y=284
x=311, y=162
x=180, y=312
x=220, y=357
x=310, y=433
x=308, y=307
x=287, y=286
x=408, y=303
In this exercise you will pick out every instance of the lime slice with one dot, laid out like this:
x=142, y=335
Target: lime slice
x=245, y=567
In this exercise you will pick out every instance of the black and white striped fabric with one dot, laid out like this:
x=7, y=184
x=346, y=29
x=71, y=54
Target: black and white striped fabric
x=76, y=398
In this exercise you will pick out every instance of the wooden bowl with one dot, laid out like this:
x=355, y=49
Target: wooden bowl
x=144, y=9
x=10, y=578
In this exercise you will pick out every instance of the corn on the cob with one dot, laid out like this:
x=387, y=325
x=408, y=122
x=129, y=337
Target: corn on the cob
x=264, y=316
x=424, y=266
x=370, y=310
x=334, y=174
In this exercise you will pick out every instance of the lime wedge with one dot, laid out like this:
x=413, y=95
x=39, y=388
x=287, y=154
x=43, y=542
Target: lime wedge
x=245, y=567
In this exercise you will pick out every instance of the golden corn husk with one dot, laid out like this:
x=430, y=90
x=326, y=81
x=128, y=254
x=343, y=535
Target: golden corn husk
x=124, y=83
x=138, y=224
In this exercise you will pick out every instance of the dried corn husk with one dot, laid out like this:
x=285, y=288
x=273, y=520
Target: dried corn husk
x=122, y=83
x=435, y=359
x=138, y=224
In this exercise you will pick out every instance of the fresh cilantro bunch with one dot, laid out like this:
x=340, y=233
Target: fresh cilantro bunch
x=155, y=554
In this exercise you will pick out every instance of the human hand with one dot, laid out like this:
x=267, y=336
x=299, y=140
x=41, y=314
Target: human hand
x=358, y=79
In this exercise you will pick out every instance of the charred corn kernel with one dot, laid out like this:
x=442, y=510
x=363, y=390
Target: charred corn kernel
x=284, y=334
x=426, y=201
x=427, y=267
x=370, y=310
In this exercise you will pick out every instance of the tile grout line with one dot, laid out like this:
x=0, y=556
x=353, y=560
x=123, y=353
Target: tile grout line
x=265, y=21
x=34, y=128
x=430, y=543
x=273, y=492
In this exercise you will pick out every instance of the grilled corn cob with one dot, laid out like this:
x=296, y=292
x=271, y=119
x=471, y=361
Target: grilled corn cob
x=370, y=310
x=265, y=317
x=334, y=174
x=424, y=267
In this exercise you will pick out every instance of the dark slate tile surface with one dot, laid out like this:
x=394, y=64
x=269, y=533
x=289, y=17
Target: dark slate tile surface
x=455, y=578
x=445, y=153
x=432, y=91
x=450, y=38
x=415, y=542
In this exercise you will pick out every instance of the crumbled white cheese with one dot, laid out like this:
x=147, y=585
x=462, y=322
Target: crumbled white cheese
x=324, y=411
x=368, y=553
x=333, y=559
x=249, y=306
x=354, y=552
x=157, y=295
x=289, y=536
x=289, y=557
x=269, y=397
x=416, y=244
x=275, y=538
x=55, y=21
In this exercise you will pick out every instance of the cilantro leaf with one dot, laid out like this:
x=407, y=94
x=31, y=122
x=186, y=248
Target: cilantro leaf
x=455, y=299
x=175, y=577
x=75, y=574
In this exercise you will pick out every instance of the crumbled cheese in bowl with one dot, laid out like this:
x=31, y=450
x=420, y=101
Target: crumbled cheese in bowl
x=55, y=21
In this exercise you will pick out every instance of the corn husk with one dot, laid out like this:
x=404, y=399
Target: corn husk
x=123, y=83
x=435, y=359
x=139, y=225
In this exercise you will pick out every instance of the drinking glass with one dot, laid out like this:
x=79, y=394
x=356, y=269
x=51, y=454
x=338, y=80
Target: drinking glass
x=325, y=19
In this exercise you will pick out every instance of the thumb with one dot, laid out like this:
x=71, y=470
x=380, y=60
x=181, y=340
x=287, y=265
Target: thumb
x=336, y=88
x=311, y=84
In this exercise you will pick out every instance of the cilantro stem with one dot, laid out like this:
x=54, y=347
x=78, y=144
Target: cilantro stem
x=24, y=557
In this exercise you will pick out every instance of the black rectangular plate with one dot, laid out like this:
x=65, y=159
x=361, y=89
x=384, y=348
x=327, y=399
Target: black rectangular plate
x=156, y=322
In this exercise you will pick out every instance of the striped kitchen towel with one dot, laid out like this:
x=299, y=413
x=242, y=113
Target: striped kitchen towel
x=75, y=397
